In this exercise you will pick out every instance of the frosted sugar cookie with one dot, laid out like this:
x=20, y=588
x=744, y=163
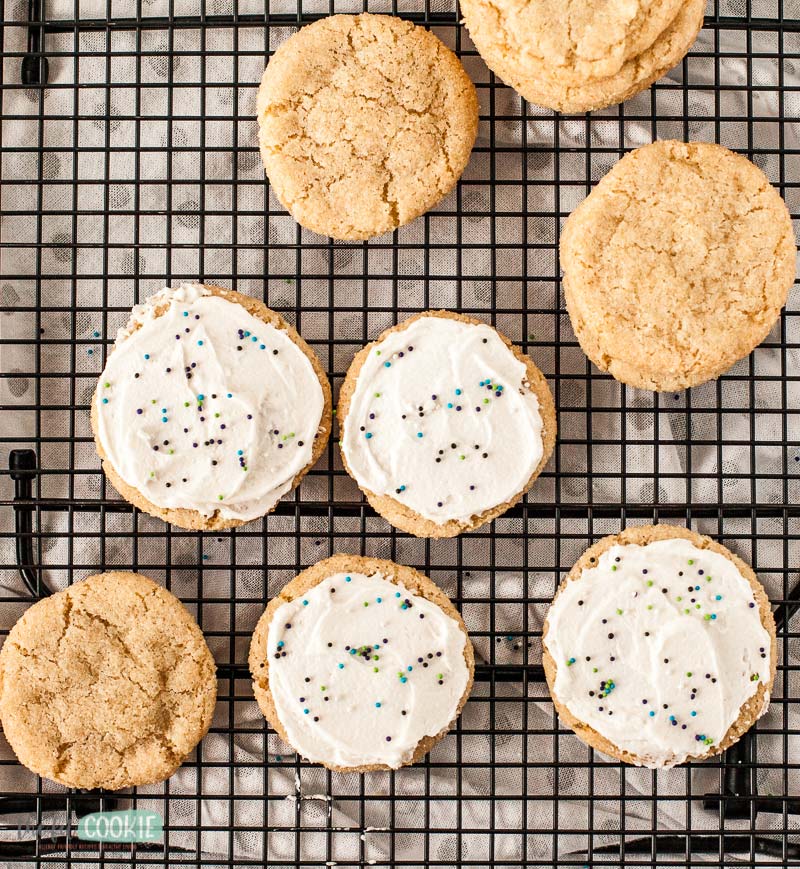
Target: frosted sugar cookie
x=659, y=647
x=361, y=664
x=445, y=424
x=210, y=408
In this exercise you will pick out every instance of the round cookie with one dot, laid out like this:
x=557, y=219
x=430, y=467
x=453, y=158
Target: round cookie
x=660, y=647
x=209, y=409
x=566, y=43
x=365, y=122
x=677, y=264
x=108, y=684
x=634, y=75
x=361, y=664
x=444, y=423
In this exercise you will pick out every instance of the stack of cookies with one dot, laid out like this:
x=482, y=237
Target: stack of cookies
x=581, y=55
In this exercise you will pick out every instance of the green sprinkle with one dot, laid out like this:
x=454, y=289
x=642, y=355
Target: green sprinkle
x=377, y=352
x=679, y=598
x=439, y=676
x=321, y=687
x=485, y=400
x=220, y=497
x=594, y=669
x=619, y=612
x=691, y=561
x=366, y=603
x=689, y=675
x=106, y=384
x=613, y=567
x=649, y=582
x=649, y=606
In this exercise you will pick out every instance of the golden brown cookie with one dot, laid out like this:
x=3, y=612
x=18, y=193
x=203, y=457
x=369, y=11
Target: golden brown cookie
x=670, y=661
x=677, y=264
x=567, y=43
x=361, y=664
x=108, y=684
x=209, y=445
x=365, y=122
x=542, y=84
x=444, y=423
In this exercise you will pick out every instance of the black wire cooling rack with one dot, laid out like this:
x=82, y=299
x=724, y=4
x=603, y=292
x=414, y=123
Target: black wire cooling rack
x=129, y=161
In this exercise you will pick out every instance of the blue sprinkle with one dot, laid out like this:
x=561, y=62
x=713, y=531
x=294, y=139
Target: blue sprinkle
x=449, y=404
x=368, y=435
x=305, y=603
x=199, y=343
x=163, y=419
x=105, y=401
x=713, y=616
x=96, y=334
x=200, y=397
x=305, y=712
x=254, y=338
x=378, y=600
x=377, y=705
x=387, y=364
x=397, y=594
x=419, y=434
x=693, y=713
x=652, y=713
x=230, y=395
x=91, y=352
x=341, y=666
x=458, y=392
x=376, y=646
x=347, y=579
x=240, y=452
x=280, y=644
x=410, y=669
x=718, y=597
x=262, y=346
x=352, y=651
x=146, y=355
x=185, y=313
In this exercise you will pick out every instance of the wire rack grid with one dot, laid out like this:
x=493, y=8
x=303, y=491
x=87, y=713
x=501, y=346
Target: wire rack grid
x=128, y=161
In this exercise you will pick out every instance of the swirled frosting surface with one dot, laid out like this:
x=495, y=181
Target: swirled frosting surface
x=203, y=406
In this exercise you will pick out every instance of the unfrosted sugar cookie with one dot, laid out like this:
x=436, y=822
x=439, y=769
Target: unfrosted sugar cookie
x=108, y=684
x=590, y=55
x=445, y=424
x=660, y=647
x=365, y=122
x=361, y=664
x=210, y=408
x=677, y=264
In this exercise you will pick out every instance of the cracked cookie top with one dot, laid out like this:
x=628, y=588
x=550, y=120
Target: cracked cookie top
x=108, y=684
x=567, y=41
x=365, y=122
x=677, y=265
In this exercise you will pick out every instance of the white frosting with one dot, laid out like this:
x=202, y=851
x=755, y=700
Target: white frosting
x=241, y=401
x=375, y=679
x=442, y=419
x=697, y=648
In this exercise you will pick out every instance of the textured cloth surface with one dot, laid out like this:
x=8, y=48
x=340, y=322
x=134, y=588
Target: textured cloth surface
x=628, y=448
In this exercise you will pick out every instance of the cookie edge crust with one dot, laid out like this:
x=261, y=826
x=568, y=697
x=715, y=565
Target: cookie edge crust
x=784, y=274
x=207, y=692
x=397, y=513
x=412, y=579
x=470, y=111
x=193, y=520
x=678, y=37
x=750, y=711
